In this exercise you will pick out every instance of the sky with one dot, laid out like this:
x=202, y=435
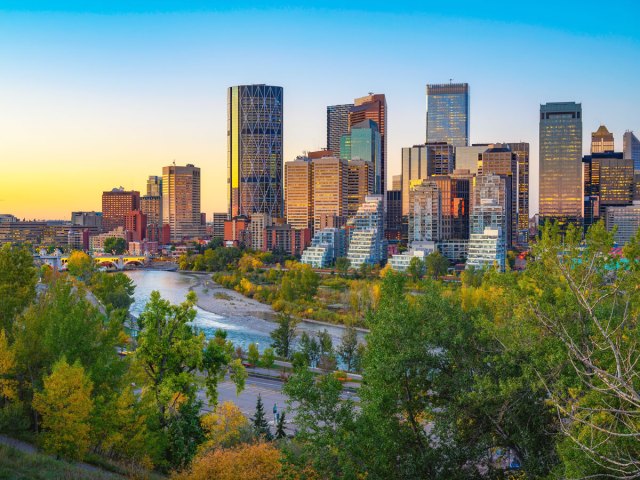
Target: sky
x=95, y=95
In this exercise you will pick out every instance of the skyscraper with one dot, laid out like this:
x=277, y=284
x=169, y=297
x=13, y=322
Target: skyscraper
x=448, y=113
x=561, y=161
x=254, y=140
x=329, y=192
x=360, y=183
x=364, y=143
x=367, y=243
x=441, y=158
x=601, y=140
x=181, y=201
x=299, y=193
x=521, y=149
x=154, y=186
x=631, y=148
x=337, y=125
x=373, y=107
x=116, y=204
x=414, y=167
x=467, y=157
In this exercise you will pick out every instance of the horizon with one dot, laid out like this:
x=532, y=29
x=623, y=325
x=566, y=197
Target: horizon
x=97, y=96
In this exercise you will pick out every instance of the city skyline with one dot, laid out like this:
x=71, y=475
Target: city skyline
x=89, y=104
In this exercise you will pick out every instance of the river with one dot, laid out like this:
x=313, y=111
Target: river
x=242, y=331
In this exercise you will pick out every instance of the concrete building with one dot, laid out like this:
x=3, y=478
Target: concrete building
x=420, y=250
x=154, y=186
x=96, y=242
x=298, y=193
x=360, y=183
x=467, y=157
x=254, y=162
x=259, y=222
x=561, y=161
x=115, y=206
x=631, y=148
x=448, y=114
x=602, y=140
x=91, y=220
x=425, y=214
x=181, y=202
x=283, y=238
x=151, y=206
x=218, y=224
x=326, y=246
x=626, y=219
x=366, y=242
x=414, y=167
x=329, y=192
x=135, y=223
x=441, y=158
x=487, y=249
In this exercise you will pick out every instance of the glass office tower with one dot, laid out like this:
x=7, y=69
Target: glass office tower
x=448, y=113
x=364, y=143
x=254, y=155
x=631, y=149
x=337, y=126
x=561, y=161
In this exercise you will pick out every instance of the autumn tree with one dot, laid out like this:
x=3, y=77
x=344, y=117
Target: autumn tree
x=115, y=290
x=81, y=265
x=299, y=282
x=18, y=279
x=259, y=461
x=225, y=427
x=65, y=406
x=8, y=382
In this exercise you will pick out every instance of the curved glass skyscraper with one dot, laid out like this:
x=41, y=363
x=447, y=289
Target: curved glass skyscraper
x=254, y=156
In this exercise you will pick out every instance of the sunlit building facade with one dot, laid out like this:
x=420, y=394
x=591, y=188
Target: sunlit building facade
x=254, y=156
x=366, y=242
x=329, y=192
x=561, y=161
x=181, y=202
x=521, y=149
x=602, y=140
x=115, y=205
x=415, y=166
x=360, y=183
x=448, y=113
x=299, y=193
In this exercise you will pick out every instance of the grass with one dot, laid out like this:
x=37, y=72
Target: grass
x=222, y=296
x=25, y=466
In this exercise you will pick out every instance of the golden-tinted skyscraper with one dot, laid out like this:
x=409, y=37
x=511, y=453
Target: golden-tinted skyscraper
x=602, y=140
x=329, y=192
x=561, y=161
x=373, y=107
x=181, y=201
x=298, y=193
x=116, y=204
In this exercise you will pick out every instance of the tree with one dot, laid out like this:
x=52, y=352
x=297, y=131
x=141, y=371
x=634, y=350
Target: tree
x=299, y=282
x=184, y=433
x=253, y=354
x=81, y=265
x=65, y=405
x=8, y=382
x=348, y=348
x=327, y=357
x=284, y=335
x=310, y=348
x=280, y=426
x=115, y=290
x=225, y=427
x=342, y=265
x=115, y=245
x=416, y=269
x=18, y=279
x=259, y=421
x=268, y=358
x=259, y=461
x=436, y=264
x=218, y=361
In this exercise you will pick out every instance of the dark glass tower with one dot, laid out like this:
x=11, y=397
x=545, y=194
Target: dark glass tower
x=254, y=153
x=337, y=125
x=448, y=113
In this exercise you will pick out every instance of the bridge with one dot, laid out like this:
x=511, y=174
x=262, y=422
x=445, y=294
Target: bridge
x=117, y=262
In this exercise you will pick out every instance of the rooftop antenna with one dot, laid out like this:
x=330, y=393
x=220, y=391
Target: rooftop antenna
x=370, y=93
x=451, y=80
x=174, y=162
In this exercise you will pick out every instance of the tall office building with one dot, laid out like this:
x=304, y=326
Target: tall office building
x=181, y=201
x=521, y=149
x=373, y=107
x=561, y=161
x=500, y=160
x=425, y=212
x=448, y=113
x=329, y=192
x=135, y=222
x=467, y=157
x=254, y=161
x=360, y=183
x=396, y=182
x=364, y=143
x=441, y=158
x=337, y=125
x=116, y=204
x=631, y=148
x=626, y=219
x=414, y=167
x=151, y=207
x=299, y=193
x=218, y=224
x=602, y=140
x=154, y=186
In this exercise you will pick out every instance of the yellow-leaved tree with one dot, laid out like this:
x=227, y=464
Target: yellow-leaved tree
x=65, y=406
x=226, y=426
x=8, y=385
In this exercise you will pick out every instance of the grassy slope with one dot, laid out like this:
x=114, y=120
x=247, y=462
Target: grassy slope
x=23, y=466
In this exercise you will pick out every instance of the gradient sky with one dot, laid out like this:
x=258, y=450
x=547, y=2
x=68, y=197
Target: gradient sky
x=101, y=94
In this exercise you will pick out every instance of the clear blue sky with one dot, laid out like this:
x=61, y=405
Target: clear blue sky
x=99, y=94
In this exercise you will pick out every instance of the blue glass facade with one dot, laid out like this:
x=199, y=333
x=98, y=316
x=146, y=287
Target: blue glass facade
x=364, y=143
x=448, y=114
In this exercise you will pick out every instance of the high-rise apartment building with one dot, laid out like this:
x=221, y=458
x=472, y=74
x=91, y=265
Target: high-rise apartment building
x=364, y=143
x=414, y=167
x=626, y=219
x=521, y=149
x=115, y=206
x=561, y=161
x=425, y=212
x=299, y=193
x=367, y=244
x=254, y=162
x=631, y=148
x=448, y=113
x=329, y=192
x=337, y=125
x=500, y=160
x=602, y=140
x=154, y=186
x=151, y=207
x=373, y=107
x=441, y=158
x=360, y=183
x=135, y=223
x=181, y=201
x=218, y=224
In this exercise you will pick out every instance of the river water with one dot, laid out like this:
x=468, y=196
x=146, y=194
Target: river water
x=242, y=331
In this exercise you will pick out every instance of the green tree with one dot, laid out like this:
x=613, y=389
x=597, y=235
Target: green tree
x=280, y=426
x=184, y=433
x=342, y=265
x=268, y=358
x=348, y=348
x=299, y=282
x=81, y=265
x=65, y=405
x=18, y=279
x=253, y=354
x=115, y=245
x=218, y=361
x=436, y=264
x=260, y=423
x=310, y=349
x=284, y=335
x=115, y=290
x=416, y=269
